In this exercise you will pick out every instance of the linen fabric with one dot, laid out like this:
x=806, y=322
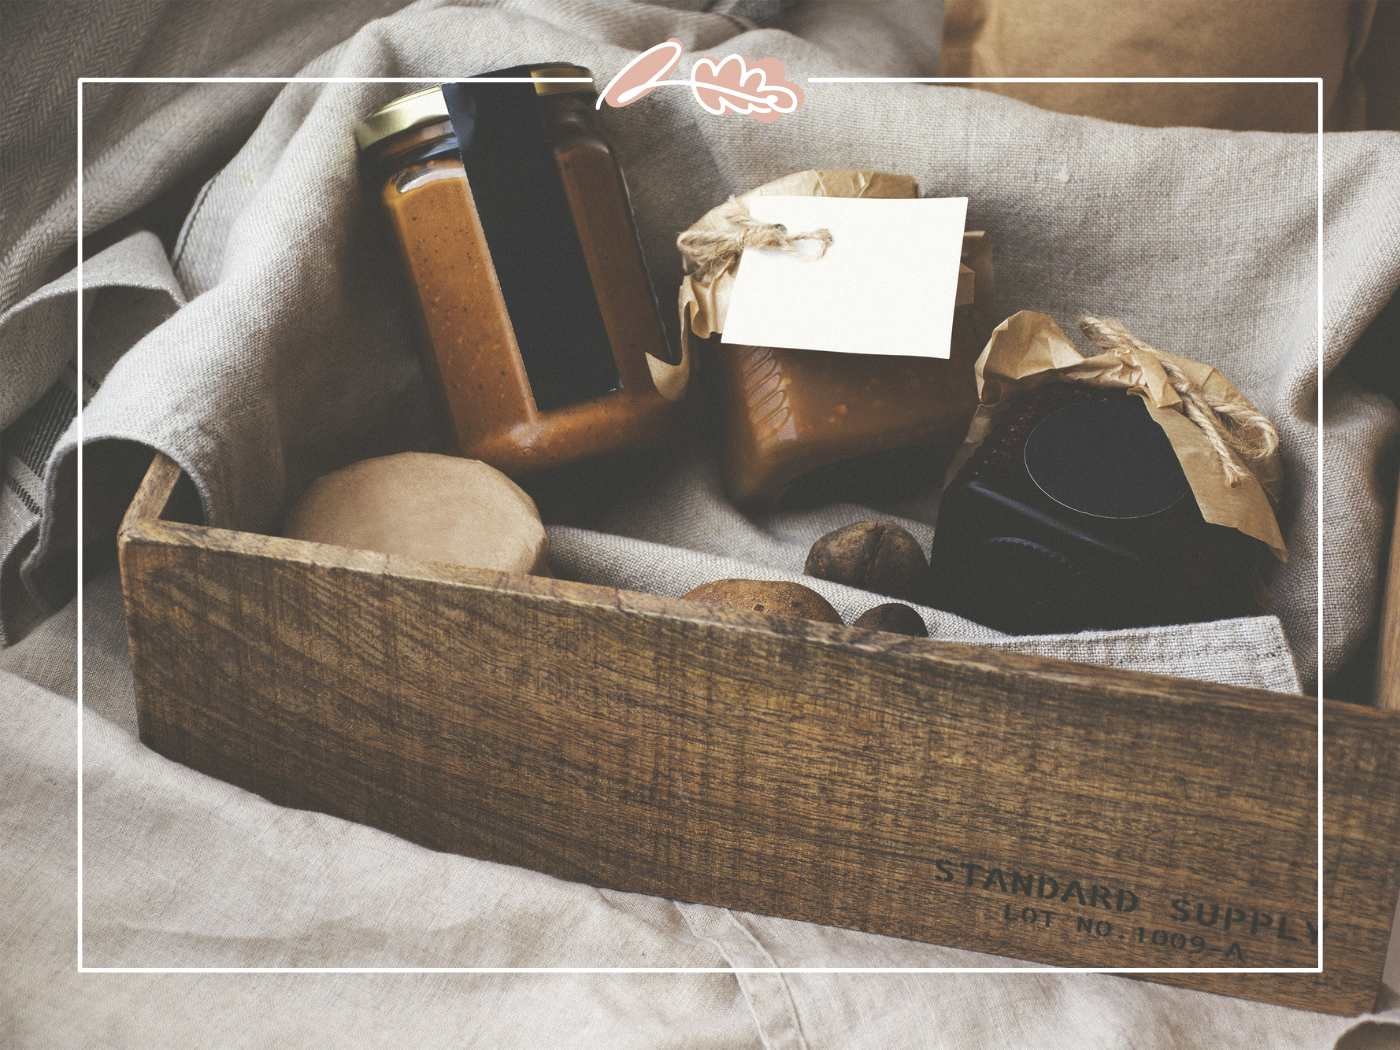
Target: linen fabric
x=294, y=353
x=260, y=338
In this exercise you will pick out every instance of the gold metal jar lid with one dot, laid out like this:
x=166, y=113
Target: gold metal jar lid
x=406, y=111
x=427, y=106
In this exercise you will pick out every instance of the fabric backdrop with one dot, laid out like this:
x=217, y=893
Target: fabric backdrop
x=267, y=342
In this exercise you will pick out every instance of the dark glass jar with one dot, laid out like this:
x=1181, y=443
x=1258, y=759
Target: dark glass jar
x=518, y=237
x=1074, y=513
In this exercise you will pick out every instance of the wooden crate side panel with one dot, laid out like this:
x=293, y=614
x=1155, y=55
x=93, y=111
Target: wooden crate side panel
x=1388, y=667
x=905, y=787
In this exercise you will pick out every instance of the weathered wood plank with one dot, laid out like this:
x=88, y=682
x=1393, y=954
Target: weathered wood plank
x=1388, y=669
x=908, y=787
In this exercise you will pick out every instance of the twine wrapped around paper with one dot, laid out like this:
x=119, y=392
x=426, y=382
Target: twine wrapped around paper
x=1233, y=426
x=714, y=243
x=710, y=251
x=1227, y=448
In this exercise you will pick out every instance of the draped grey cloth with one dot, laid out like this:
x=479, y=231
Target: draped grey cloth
x=241, y=314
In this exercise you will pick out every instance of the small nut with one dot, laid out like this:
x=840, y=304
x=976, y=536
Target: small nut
x=873, y=555
x=894, y=617
x=773, y=597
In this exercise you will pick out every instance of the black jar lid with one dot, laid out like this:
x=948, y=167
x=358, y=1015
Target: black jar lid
x=1105, y=459
x=427, y=106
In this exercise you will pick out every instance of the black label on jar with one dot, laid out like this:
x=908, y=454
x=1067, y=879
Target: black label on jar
x=534, y=242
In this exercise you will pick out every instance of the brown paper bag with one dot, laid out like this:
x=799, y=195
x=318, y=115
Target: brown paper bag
x=1297, y=38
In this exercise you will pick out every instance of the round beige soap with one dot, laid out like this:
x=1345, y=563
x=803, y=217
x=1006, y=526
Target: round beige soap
x=421, y=505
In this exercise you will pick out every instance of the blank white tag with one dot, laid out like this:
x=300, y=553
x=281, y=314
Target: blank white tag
x=887, y=284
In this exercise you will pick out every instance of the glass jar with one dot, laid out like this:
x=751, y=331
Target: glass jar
x=517, y=233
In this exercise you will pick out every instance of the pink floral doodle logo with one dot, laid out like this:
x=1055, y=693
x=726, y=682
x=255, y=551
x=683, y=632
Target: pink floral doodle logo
x=758, y=89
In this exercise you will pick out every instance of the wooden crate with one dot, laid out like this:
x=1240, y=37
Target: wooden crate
x=1033, y=808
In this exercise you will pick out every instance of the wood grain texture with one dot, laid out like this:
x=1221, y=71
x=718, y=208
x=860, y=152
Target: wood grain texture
x=908, y=787
x=1388, y=670
x=153, y=496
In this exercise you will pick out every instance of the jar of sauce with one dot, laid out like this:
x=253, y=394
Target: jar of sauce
x=517, y=234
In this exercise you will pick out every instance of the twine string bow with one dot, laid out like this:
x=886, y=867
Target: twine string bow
x=709, y=252
x=1235, y=429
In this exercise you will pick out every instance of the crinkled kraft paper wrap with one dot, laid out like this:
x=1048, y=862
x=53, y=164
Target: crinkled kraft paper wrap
x=703, y=304
x=1029, y=350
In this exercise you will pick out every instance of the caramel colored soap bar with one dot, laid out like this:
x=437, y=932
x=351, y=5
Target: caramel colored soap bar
x=791, y=415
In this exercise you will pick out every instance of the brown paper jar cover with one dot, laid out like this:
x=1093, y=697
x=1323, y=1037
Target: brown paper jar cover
x=803, y=425
x=515, y=227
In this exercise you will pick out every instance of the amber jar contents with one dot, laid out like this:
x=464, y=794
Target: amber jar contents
x=803, y=426
x=516, y=230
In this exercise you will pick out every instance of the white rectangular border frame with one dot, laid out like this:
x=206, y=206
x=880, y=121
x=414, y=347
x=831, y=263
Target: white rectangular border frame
x=81, y=968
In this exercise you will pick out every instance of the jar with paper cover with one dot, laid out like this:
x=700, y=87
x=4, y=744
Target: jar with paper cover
x=806, y=426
